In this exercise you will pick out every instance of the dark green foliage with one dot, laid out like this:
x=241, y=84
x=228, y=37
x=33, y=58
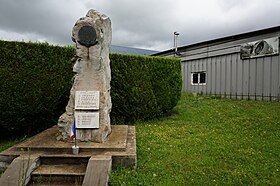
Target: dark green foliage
x=34, y=85
x=143, y=87
x=35, y=81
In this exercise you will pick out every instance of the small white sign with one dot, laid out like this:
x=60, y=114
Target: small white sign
x=87, y=119
x=87, y=100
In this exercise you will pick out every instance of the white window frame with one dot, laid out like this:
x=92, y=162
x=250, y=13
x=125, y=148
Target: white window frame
x=198, y=73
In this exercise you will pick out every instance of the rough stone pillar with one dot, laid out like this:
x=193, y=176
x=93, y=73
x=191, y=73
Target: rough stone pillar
x=92, y=35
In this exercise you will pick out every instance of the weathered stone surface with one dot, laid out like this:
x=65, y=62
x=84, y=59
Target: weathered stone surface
x=19, y=171
x=93, y=73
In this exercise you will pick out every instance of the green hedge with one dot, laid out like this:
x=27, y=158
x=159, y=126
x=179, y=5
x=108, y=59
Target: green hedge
x=143, y=87
x=35, y=81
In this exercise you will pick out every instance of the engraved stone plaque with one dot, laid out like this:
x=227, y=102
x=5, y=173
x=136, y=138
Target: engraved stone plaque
x=87, y=36
x=87, y=100
x=87, y=119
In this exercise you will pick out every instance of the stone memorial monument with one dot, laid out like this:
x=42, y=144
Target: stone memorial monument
x=89, y=106
x=90, y=102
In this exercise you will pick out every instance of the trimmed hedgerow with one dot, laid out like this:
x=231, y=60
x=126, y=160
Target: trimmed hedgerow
x=34, y=84
x=143, y=87
x=35, y=81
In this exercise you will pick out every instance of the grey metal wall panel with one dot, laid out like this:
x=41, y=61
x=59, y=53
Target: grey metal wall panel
x=234, y=76
x=214, y=76
x=256, y=78
x=208, y=76
x=187, y=81
x=259, y=83
x=275, y=85
x=218, y=75
x=210, y=54
x=246, y=82
x=189, y=76
x=228, y=75
x=241, y=41
x=191, y=70
x=204, y=67
x=267, y=78
x=252, y=78
x=194, y=69
x=223, y=75
x=225, y=51
x=221, y=49
x=183, y=66
x=199, y=68
x=278, y=78
x=239, y=78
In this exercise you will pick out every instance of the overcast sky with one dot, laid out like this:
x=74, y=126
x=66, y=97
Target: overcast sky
x=146, y=24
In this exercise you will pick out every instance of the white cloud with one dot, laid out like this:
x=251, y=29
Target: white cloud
x=145, y=23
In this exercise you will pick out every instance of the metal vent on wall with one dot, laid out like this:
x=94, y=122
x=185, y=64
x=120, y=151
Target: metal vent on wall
x=260, y=48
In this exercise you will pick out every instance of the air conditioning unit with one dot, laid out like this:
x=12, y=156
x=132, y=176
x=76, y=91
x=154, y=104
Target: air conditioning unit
x=262, y=47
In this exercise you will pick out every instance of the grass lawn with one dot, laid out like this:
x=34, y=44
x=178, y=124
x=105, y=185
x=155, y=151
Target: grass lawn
x=208, y=141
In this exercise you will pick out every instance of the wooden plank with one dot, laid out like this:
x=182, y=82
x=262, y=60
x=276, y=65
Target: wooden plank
x=19, y=171
x=98, y=170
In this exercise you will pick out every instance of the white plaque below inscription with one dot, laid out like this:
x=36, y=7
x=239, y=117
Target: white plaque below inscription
x=87, y=120
x=87, y=100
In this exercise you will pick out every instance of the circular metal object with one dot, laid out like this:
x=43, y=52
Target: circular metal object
x=87, y=36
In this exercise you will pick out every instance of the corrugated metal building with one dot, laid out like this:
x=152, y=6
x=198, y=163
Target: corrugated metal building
x=244, y=66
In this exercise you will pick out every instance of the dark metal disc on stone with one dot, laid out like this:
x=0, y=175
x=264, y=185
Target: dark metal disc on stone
x=87, y=36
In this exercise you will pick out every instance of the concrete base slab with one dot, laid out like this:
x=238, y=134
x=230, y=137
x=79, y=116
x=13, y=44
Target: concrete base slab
x=19, y=172
x=120, y=145
x=98, y=171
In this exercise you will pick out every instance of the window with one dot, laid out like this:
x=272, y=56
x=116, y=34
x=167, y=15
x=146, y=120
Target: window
x=198, y=78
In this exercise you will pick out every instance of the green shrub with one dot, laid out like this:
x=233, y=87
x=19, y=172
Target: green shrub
x=35, y=82
x=143, y=87
x=34, y=85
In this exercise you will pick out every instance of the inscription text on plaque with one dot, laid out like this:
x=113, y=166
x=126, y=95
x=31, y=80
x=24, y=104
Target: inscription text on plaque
x=87, y=100
x=87, y=119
